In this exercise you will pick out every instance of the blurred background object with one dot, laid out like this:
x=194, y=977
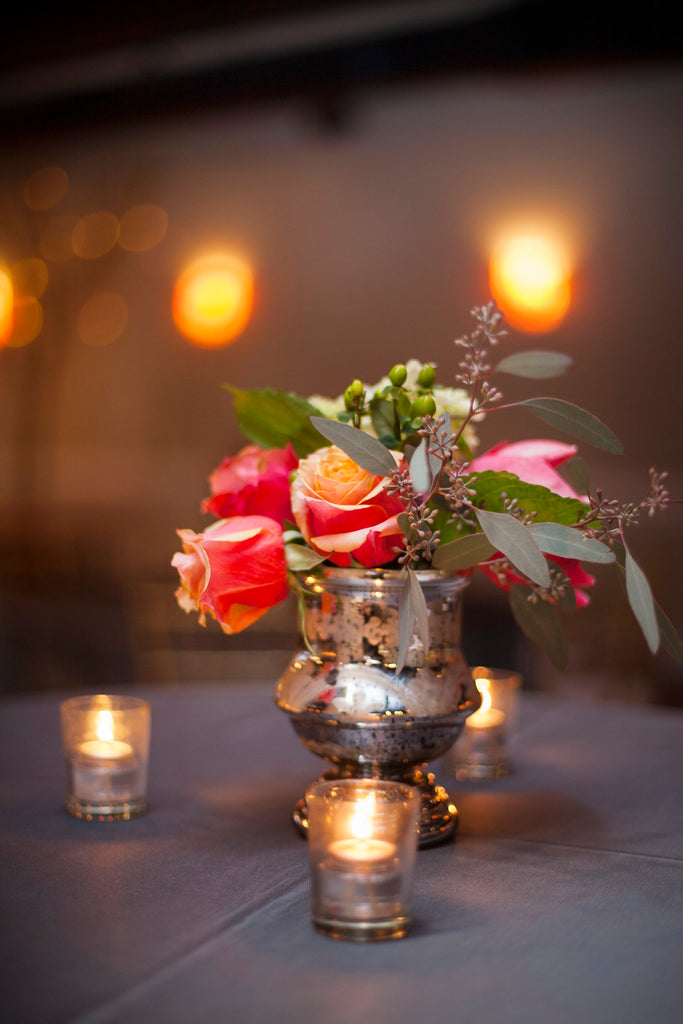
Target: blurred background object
x=361, y=170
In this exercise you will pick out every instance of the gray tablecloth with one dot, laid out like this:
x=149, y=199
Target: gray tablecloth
x=561, y=899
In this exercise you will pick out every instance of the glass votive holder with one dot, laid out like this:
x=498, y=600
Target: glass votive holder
x=362, y=839
x=106, y=745
x=482, y=751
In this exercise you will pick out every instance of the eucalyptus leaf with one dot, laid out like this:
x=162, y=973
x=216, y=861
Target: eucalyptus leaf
x=463, y=553
x=538, y=620
x=406, y=624
x=670, y=641
x=576, y=472
x=422, y=473
x=516, y=542
x=641, y=601
x=575, y=421
x=365, y=450
x=403, y=520
x=535, y=364
x=419, y=604
x=271, y=418
x=564, y=542
x=299, y=558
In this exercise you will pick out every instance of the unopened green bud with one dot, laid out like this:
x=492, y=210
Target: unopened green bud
x=423, y=405
x=398, y=374
x=355, y=388
x=426, y=376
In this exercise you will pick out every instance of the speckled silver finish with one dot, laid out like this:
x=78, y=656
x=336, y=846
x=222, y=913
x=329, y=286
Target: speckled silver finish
x=348, y=705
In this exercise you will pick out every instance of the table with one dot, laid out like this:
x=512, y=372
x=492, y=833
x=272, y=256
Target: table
x=561, y=899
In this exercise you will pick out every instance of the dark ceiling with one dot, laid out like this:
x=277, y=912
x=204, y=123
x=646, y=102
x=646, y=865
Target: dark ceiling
x=78, y=64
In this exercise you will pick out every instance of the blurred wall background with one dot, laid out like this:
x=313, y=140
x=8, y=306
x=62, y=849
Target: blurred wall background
x=362, y=172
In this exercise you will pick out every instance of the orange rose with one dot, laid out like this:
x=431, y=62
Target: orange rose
x=343, y=511
x=234, y=571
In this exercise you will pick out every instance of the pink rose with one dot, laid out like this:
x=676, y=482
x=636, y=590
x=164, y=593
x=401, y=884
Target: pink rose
x=532, y=461
x=535, y=462
x=344, y=511
x=255, y=482
x=234, y=571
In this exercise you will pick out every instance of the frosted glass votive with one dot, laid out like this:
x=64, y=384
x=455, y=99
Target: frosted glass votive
x=106, y=746
x=482, y=751
x=362, y=839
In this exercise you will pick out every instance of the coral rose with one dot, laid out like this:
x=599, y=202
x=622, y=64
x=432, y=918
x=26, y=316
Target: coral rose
x=234, y=571
x=535, y=462
x=255, y=482
x=344, y=512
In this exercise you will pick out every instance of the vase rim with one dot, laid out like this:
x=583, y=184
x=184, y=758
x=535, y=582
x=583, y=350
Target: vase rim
x=392, y=576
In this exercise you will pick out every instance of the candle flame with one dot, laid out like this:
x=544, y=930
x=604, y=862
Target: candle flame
x=361, y=822
x=105, y=725
x=484, y=687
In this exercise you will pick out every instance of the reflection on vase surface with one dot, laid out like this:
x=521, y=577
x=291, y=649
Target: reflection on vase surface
x=349, y=705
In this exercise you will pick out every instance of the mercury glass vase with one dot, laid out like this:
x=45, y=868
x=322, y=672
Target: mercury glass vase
x=349, y=705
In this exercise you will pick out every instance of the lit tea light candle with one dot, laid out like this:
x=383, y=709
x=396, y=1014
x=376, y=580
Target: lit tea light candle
x=487, y=717
x=105, y=747
x=362, y=847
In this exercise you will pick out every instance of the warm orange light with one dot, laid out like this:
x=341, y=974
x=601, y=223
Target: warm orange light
x=28, y=321
x=142, y=227
x=213, y=299
x=95, y=235
x=6, y=306
x=102, y=319
x=530, y=281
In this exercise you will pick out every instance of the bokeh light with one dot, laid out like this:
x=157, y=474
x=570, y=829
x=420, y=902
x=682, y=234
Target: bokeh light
x=30, y=277
x=6, y=306
x=530, y=278
x=45, y=188
x=95, y=235
x=213, y=299
x=28, y=321
x=102, y=319
x=142, y=227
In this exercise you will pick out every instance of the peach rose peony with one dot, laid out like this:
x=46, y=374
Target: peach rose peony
x=345, y=512
x=535, y=462
x=234, y=571
x=255, y=482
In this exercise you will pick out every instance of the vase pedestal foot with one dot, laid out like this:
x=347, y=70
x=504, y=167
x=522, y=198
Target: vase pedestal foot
x=438, y=815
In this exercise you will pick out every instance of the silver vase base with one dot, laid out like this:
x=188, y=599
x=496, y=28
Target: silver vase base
x=438, y=815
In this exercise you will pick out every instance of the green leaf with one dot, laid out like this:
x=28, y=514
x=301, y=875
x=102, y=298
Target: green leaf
x=272, y=418
x=382, y=417
x=406, y=624
x=300, y=558
x=491, y=485
x=463, y=553
x=670, y=642
x=515, y=541
x=417, y=599
x=365, y=450
x=641, y=601
x=535, y=364
x=563, y=541
x=538, y=620
x=423, y=468
x=403, y=520
x=575, y=421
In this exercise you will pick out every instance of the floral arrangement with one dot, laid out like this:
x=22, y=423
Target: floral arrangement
x=387, y=476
